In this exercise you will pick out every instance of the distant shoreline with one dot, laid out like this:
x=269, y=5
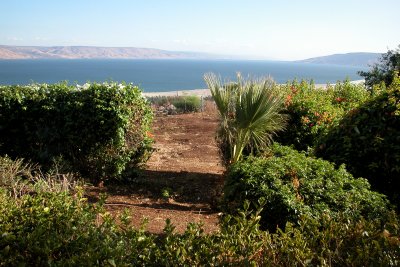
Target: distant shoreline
x=165, y=75
x=197, y=92
x=207, y=92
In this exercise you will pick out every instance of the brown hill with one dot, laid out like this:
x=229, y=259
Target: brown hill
x=8, y=54
x=76, y=52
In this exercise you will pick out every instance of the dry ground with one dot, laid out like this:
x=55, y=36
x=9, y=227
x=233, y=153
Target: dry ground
x=181, y=181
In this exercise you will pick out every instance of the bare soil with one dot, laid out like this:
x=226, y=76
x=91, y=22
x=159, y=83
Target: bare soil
x=181, y=181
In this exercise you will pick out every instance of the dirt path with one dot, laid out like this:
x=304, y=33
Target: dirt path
x=182, y=180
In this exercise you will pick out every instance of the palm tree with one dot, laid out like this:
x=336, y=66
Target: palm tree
x=250, y=112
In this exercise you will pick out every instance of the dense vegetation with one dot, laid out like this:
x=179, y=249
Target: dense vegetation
x=294, y=185
x=383, y=71
x=367, y=140
x=283, y=206
x=48, y=222
x=96, y=129
x=314, y=111
x=177, y=104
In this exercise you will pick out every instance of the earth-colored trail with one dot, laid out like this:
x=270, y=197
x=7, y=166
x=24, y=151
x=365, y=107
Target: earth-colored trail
x=182, y=179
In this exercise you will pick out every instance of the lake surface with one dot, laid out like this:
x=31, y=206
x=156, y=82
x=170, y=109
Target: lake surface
x=164, y=75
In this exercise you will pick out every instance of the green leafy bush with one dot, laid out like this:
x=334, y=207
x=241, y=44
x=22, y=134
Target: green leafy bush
x=294, y=185
x=57, y=229
x=367, y=140
x=180, y=104
x=187, y=103
x=98, y=129
x=313, y=111
x=159, y=100
x=335, y=242
x=48, y=224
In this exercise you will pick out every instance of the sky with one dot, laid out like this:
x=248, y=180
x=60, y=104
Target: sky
x=257, y=29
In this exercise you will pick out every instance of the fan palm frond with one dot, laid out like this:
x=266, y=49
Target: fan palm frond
x=250, y=113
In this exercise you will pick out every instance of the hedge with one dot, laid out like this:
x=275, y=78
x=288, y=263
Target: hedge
x=46, y=220
x=96, y=129
x=367, y=140
x=313, y=111
x=294, y=185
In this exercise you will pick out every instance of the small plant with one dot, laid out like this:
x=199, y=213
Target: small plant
x=166, y=192
x=250, y=113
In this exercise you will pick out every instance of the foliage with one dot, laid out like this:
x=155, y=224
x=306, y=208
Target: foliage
x=48, y=229
x=183, y=104
x=51, y=225
x=250, y=112
x=187, y=103
x=383, y=71
x=159, y=100
x=313, y=111
x=98, y=129
x=20, y=178
x=51, y=228
x=335, y=242
x=367, y=141
x=294, y=185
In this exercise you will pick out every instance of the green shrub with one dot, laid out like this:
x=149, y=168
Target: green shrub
x=368, y=141
x=159, y=100
x=294, y=185
x=335, y=242
x=181, y=104
x=187, y=103
x=56, y=229
x=49, y=228
x=313, y=111
x=48, y=225
x=98, y=129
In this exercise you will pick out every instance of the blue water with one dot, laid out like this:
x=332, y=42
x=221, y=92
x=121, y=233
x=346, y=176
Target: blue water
x=164, y=75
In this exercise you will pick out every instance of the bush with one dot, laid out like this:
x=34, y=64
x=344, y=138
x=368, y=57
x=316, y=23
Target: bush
x=176, y=104
x=294, y=185
x=48, y=229
x=97, y=129
x=187, y=103
x=368, y=141
x=335, y=242
x=313, y=111
x=48, y=224
x=159, y=100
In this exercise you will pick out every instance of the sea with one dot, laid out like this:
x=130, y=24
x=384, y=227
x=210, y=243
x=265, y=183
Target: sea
x=166, y=75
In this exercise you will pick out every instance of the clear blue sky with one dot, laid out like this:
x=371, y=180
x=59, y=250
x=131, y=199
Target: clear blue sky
x=280, y=29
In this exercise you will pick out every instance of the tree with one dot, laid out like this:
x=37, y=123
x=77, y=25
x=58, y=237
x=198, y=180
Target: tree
x=384, y=70
x=250, y=112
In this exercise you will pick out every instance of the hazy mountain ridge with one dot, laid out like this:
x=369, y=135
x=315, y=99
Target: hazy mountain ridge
x=96, y=52
x=350, y=59
x=93, y=52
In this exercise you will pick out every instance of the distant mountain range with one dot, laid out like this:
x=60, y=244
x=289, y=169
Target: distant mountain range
x=92, y=52
x=349, y=59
